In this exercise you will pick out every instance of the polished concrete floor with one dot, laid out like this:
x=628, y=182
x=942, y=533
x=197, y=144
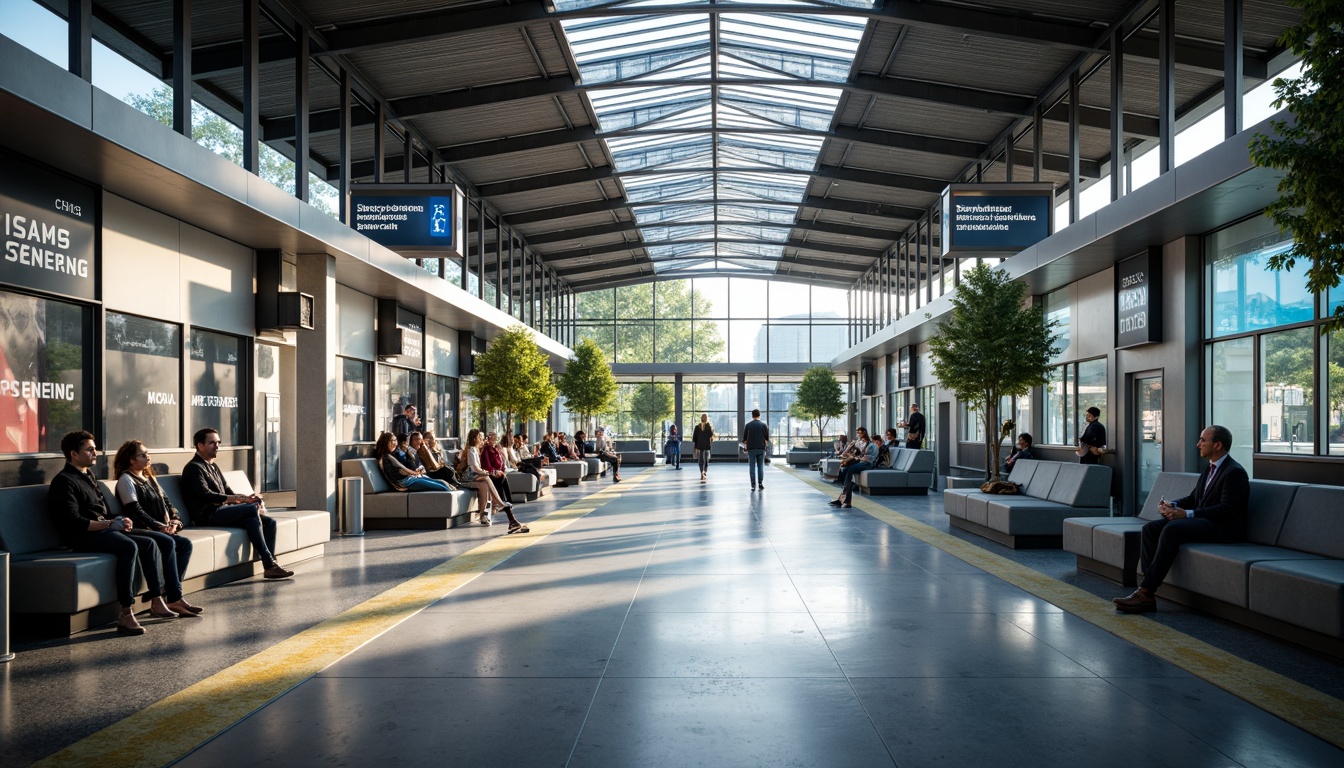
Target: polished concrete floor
x=677, y=624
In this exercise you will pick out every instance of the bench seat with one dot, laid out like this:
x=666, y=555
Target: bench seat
x=911, y=472
x=1050, y=493
x=386, y=507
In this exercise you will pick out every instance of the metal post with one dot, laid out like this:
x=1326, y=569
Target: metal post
x=1233, y=66
x=5, y=654
x=351, y=500
x=1118, y=169
x=182, y=67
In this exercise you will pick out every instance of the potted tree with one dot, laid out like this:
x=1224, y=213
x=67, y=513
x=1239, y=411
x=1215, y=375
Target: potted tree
x=994, y=345
x=513, y=376
x=587, y=382
x=819, y=399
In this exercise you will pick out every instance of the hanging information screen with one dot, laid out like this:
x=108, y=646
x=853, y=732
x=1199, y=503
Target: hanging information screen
x=1004, y=217
x=47, y=230
x=418, y=220
x=1138, y=300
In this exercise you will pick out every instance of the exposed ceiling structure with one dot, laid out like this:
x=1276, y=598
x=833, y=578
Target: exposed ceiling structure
x=634, y=140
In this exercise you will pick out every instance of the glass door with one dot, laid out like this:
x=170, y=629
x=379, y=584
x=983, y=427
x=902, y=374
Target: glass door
x=1148, y=413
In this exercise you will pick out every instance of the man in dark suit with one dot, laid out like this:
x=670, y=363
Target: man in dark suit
x=914, y=428
x=210, y=501
x=1214, y=511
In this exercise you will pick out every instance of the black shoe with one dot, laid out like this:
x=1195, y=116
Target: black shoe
x=837, y=503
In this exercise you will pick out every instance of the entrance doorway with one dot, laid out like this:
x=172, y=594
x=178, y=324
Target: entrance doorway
x=1148, y=430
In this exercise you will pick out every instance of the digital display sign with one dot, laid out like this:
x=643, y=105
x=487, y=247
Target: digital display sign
x=996, y=217
x=1138, y=300
x=417, y=219
x=48, y=230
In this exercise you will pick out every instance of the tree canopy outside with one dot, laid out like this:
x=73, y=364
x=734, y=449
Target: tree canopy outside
x=513, y=376
x=651, y=403
x=587, y=384
x=994, y=345
x=1311, y=150
x=624, y=324
x=819, y=399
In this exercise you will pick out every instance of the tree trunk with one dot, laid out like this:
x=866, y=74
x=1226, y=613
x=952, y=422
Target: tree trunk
x=992, y=439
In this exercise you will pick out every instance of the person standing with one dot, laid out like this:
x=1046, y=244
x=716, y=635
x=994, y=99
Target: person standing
x=210, y=501
x=673, y=447
x=756, y=437
x=1093, y=441
x=914, y=428
x=702, y=438
x=406, y=422
x=1215, y=510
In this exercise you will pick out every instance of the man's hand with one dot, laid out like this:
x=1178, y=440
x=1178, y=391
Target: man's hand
x=1170, y=511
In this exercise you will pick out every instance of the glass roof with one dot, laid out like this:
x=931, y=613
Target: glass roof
x=708, y=108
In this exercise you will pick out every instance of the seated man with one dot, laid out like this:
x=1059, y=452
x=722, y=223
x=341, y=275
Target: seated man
x=211, y=502
x=1022, y=451
x=579, y=450
x=415, y=454
x=864, y=454
x=1214, y=511
x=603, y=450
x=840, y=444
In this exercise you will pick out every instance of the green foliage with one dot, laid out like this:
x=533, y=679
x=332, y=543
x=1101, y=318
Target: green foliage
x=1310, y=150
x=226, y=140
x=632, y=311
x=587, y=383
x=819, y=398
x=651, y=403
x=994, y=345
x=513, y=376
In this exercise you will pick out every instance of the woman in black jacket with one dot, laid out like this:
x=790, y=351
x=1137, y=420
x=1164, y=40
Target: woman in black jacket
x=155, y=518
x=702, y=437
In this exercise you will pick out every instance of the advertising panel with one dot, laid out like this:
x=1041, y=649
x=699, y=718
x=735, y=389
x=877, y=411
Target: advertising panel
x=421, y=220
x=48, y=228
x=144, y=381
x=1138, y=300
x=1000, y=217
x=905, y=372
x=44, y=366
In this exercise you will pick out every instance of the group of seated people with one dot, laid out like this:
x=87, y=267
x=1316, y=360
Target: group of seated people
x=557, y=446
x=416, y=463
x=859, y=455
x=146, y=540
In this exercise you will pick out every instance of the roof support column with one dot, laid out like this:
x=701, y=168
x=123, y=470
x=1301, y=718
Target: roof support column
x=480, y=252
x=1166, y=84
x=379, y=132
x=407, y=157
x=1008, y=157
x=1075, y=179
x=346, y=99
x=1037, y=137
x=252, y=88
x=1118, y=169
x=499, y=252
x=182, y=67
x=1233, y=67
x=301, y=49
x=79, y=18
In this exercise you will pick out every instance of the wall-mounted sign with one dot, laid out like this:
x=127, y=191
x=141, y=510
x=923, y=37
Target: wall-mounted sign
x=1138, y=299
x=905, y=377
x=1001, y=217
x=48, y=226
x=419, y=220
x=401, y=335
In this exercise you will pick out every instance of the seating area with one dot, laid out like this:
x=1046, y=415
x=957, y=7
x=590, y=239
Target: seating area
x=808, y=454
x=1050, y=492
x=56, y=591
x=1287, y=578
x=911, y=472
x=726, y=450
x=636, y=453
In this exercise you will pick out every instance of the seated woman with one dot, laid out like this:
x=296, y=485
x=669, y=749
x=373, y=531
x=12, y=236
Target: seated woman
x=475, y=477
x=579, y=450
x=496, y=466
x=546, y=449
x=1023, y=451
x=398, y=475
x=431, y=459
x=156, y=519
x=522, y=456
x=562, y=447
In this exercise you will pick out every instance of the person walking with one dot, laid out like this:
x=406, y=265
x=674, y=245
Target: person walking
x=673, y=447
x=702, y=438
x=756, y=439
x=1092, y=444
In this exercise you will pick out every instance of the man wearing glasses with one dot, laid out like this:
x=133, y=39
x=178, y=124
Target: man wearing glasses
x=210, y=501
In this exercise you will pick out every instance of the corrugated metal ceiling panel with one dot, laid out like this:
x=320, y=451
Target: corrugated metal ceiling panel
x=922, y=117
x=977, y=62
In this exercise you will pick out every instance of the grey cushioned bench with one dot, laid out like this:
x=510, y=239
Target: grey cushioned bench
x=568, y=473
x=725, y=450
x=385, y=507
x=525, y=487
x=1286, y=578
x=636, y=453
x=911, y=472
x=810, y=453
x=56, y=591
x=1053, y=492
x=829, y=468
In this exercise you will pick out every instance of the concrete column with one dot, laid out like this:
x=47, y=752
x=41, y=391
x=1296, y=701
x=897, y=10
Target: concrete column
x=317, y=406
x=678, y=417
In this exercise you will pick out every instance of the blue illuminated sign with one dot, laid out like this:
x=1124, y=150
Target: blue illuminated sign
x=996, y=217
x=397, y=217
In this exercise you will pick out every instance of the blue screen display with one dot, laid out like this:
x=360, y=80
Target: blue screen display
x=404, y=221
x=1001, y=222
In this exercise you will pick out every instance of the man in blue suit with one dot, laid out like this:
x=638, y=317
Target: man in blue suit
x=1214, y=511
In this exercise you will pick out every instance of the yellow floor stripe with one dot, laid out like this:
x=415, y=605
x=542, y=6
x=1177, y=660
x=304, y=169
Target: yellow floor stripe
x=169, y=729
x=1311, y=710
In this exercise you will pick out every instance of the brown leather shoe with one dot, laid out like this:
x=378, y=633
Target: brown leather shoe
x=277, y=571
x=1141, y=601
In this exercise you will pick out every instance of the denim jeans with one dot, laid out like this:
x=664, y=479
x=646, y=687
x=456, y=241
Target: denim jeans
x=134, y=556
x=756, y=465
x=173, y=554
x=850, y=476
x=425, y=484
x=674, y=455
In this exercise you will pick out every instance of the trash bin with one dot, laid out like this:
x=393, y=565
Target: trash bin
x=5, y=655
x=351, y=501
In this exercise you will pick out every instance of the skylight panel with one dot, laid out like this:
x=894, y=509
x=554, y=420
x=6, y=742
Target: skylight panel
x=683, y=212
x=774, y=234
x=690, y=232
